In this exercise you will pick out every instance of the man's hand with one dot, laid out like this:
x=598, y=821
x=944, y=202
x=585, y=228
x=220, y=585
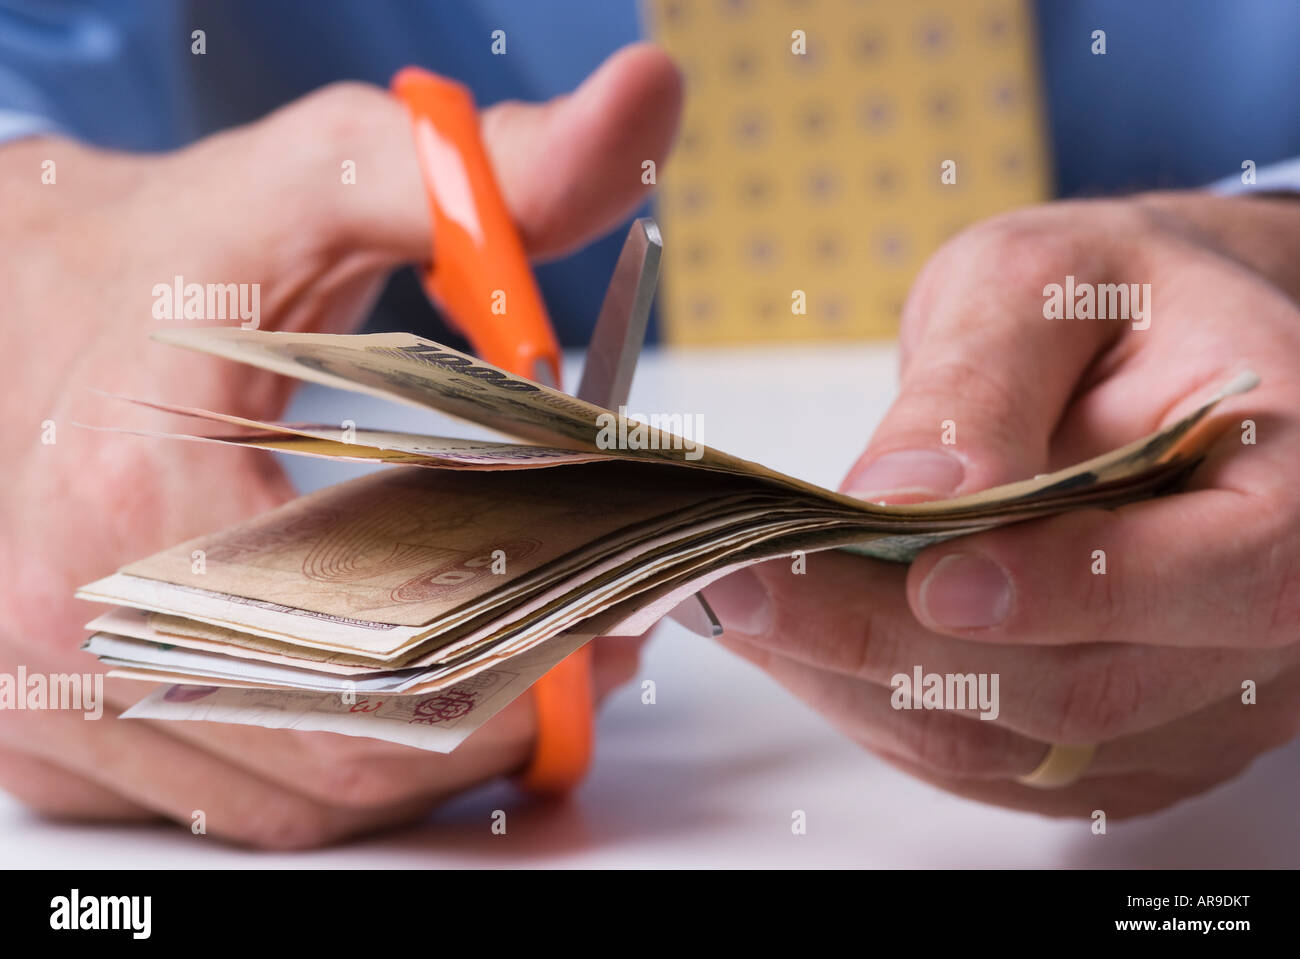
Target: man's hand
x=260, y=204
x=1201, y=590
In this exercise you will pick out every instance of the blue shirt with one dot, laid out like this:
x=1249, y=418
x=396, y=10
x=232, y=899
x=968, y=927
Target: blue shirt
x=1186, y=91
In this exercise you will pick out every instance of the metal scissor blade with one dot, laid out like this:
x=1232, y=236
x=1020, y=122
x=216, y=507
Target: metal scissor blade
x=696, y=615
x=616, y=345
x=620, y=328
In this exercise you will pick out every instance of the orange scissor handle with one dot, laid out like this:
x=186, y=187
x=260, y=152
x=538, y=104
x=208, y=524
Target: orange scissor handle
x=479, y=274
x=481, y=278
x=563, y=702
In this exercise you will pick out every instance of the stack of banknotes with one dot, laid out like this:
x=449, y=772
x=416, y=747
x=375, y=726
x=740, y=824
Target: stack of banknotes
x=413, y=603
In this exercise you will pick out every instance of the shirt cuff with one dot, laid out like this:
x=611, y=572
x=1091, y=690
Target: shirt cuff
x=16, y=126
x=1281, y=177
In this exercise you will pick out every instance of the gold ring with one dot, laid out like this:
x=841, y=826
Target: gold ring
x=1061, y=766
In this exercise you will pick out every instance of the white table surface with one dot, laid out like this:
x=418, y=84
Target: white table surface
x=709, y=774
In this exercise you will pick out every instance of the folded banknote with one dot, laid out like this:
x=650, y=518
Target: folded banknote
x=413, y=603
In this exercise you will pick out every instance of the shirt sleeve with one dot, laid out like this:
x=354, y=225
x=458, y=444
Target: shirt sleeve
x=15, y=125
x=106, y=73
x=1277, y=177
x=24, y=110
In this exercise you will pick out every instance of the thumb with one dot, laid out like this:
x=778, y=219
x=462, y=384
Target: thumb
x=956, y=427
x=986, y=381
x=569, y=169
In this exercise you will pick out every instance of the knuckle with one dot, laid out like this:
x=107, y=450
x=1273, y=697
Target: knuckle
x=342, y=121
x=871, y=653
x=350, y=775
x=359, y=783
x=1163, y=212
x=342, y=109
x=1096, y=701
x=1019, y=240
x=1280, y=602
x=941, y=743
x=989, y=398
x=326, y=121
x=974, y=241
x=286, y=827
x=850, y=639
x=974, y=383
x=1107, y=606
x=1028, y=242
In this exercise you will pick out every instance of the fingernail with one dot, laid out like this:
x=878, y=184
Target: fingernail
x=740, y=602
x=966, y=591
x=909, y=475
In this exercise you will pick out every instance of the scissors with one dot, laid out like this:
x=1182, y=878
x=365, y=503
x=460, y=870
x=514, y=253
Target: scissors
x=481, y=279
